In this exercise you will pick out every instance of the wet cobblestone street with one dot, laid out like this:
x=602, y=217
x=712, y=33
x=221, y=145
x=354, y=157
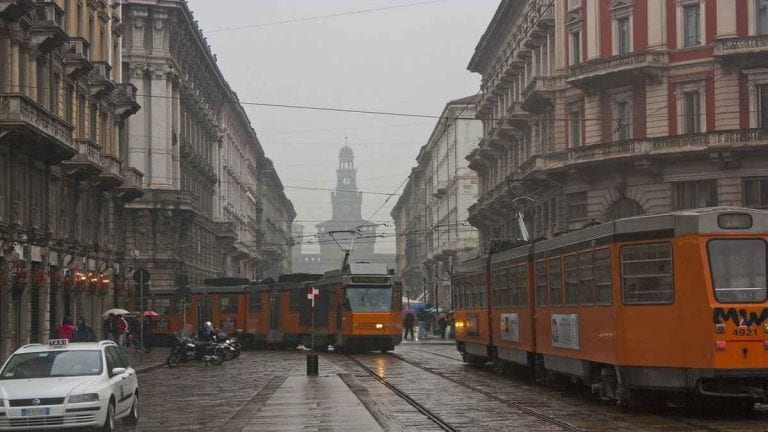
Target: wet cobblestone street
x=245, y=394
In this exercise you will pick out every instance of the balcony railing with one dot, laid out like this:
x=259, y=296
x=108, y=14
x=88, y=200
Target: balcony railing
x=14, y=9
x=77, y=60
x=538, y=95
x=37, y=131
x=48, y=32
x=719, y=140
x=111, y=177
x=100, y=80
x=87, y=163
x=599, y=72
x=741, y=46
x=132, y=184
x=126, y=102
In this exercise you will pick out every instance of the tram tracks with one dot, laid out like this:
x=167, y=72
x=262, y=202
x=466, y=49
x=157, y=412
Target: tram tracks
x=671, y=417
x=513, y=404
x=411, y=401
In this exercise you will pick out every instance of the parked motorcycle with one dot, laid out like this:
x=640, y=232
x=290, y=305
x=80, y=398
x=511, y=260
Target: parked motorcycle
x=187, y=350
x=230, y=346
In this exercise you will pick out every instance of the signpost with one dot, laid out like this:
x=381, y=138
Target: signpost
x=141, y=276
x=312, y=366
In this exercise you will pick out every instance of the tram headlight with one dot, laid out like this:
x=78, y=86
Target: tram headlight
x=379, y=326
x=459, y=324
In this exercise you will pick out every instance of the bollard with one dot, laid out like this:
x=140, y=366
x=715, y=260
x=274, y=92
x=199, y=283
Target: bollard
x=312, y=368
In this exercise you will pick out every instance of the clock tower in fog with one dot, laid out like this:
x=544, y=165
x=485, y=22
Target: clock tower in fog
x=346, y=200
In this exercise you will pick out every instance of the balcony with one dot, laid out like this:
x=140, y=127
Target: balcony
x=171, y=199
x=48, y=33
x=99, y=79
x=126, y=103
x=87, y=163
x=441, y=189
x=726, y=140
x=539, y=94
x=77, y=60
x=516, y=118
x=34, y=130
x=741, y=49
x=618, y=70
x=12, y=10
x=225, y=231
x=131, y=188
x=111, y=177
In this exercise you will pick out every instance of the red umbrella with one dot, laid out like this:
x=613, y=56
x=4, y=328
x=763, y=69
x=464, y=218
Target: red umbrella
x=148, y=313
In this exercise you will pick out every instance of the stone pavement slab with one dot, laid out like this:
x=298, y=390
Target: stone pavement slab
x=322, y=403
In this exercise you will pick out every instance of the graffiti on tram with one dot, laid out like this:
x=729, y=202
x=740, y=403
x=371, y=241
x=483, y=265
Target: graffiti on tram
x=739, y=317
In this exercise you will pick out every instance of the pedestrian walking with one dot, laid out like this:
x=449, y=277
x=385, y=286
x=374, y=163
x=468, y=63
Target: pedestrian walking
x=421, y=318
x=122, y=330
x=66, y=329
x=110, y=328
x=408, y=325
x=84, y=332
x=442, y=323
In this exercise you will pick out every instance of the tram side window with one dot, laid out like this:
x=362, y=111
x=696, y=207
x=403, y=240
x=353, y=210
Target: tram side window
x=572, y=280
x=504, y=287
x=586, y=278
x=228, y=304
x=646, y=274
x=738, y=270
x=498, y=289
x=555, y=282
x=254, y=304
x=541, y=283
x=603, y=276
x=519, y=274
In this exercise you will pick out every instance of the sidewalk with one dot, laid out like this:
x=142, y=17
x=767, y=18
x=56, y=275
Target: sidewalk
x=153, y=360
x=432, y=340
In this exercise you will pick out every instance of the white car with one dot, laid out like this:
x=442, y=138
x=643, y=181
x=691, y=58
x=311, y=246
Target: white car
x=63, y=385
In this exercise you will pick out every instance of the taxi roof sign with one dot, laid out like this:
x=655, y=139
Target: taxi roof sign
x=57, y=343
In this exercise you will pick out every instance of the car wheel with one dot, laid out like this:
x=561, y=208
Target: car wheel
x=109, y=421
x=133, y=415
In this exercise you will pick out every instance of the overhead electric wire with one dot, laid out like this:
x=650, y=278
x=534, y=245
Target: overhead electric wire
x=317, y=17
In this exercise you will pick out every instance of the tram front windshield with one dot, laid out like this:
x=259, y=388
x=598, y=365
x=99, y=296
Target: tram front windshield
x=738, y=270
x=369, y=298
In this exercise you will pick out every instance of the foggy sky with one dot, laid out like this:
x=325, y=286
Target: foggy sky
x=409, y=60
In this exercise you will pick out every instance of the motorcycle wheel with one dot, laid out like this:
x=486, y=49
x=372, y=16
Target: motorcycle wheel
x=217, y=357
x=173, y=360
x=225, y=353
x=236, y=353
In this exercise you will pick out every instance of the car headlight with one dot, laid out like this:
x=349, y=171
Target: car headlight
x=88, y=397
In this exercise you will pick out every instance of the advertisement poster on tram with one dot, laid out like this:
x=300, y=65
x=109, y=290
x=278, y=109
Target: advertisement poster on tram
x=565, y=331
x=510, y=327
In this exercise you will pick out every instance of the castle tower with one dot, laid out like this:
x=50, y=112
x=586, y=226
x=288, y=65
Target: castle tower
x=346, y=200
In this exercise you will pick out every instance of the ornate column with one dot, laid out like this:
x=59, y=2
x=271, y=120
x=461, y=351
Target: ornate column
x=32, y=74
x=15, y=59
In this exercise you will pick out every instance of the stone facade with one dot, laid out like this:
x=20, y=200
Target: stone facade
x=64, y=175
x=214, y=205
x=431, y=214
x=346, y=202
x=600, y=110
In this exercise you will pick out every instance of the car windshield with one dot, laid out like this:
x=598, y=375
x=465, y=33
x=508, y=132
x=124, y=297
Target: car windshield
x=47, y=364
x=370, y=298
x=738, y=270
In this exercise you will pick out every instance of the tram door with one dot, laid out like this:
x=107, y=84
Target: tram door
x=204, y=312
x=275, y=334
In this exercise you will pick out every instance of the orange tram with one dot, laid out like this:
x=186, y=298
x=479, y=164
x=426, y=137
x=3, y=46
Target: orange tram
x=649, y=308
x=357, y=309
